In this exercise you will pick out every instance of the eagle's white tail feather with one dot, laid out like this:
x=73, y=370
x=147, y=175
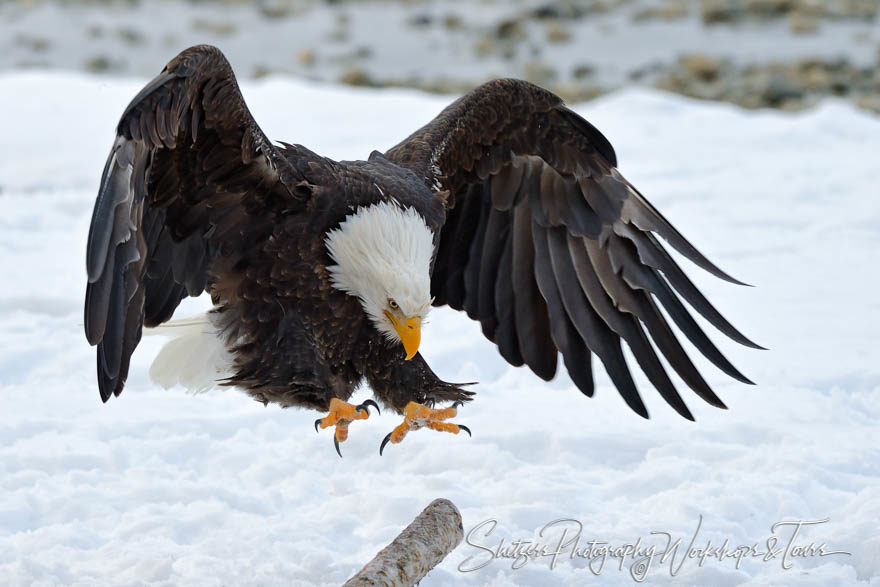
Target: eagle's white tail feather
x=195, y=357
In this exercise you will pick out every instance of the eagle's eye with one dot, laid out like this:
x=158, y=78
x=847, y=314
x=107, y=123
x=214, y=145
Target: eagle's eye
x=392, y=304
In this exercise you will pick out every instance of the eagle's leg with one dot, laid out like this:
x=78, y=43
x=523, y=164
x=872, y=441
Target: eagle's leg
x=421, y=416
x=341, y=415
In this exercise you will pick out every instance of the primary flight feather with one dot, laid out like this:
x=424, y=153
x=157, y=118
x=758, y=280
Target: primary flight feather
x=507, y=205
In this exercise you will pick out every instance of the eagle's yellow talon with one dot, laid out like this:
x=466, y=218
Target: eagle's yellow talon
x=341, y=415
x=420, y=416
x=442, y=427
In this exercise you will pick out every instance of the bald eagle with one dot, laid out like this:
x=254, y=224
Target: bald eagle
x=507, y=205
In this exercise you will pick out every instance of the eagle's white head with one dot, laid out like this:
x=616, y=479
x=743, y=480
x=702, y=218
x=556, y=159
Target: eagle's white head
x=383, y=257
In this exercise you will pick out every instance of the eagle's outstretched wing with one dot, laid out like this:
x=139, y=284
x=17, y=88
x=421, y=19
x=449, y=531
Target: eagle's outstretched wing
x=550, y=248
x=190, y=176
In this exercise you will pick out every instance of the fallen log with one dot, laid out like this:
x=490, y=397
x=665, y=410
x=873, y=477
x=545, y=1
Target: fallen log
x=419, y=548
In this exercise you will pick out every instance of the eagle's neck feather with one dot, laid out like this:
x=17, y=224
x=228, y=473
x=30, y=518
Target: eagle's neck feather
x=382, y=252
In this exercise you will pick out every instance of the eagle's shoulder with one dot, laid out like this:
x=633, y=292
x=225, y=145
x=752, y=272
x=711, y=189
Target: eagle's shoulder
x=358, y=184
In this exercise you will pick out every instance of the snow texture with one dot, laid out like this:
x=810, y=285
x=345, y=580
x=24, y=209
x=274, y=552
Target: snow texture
x=161, y=487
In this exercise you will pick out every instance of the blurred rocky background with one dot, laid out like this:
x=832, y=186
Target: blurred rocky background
x=755, y=53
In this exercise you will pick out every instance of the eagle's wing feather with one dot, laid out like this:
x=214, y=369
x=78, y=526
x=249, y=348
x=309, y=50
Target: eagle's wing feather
x=190, y=176
x=550, y=247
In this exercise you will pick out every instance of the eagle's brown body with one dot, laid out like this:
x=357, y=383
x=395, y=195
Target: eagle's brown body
x=537, y=236
x=307, y=341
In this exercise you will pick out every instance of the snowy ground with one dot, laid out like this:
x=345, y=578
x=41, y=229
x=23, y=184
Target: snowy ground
x=158, y=487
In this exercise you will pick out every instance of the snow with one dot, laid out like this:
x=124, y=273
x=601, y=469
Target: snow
x=160, y=487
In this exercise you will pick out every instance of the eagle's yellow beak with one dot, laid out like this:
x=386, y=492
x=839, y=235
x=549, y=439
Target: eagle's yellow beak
x=410, y=333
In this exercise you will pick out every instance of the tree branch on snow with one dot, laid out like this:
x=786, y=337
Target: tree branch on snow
x=419, y=548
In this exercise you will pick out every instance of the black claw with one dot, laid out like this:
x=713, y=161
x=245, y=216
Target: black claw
x=429, y=403
x=364, y=406
x=457, y=404
x=384, y=442
x=466, y=429
x=336, y=444
x=318, y=423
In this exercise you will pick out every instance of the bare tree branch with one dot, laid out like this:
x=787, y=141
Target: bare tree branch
x=419, y=548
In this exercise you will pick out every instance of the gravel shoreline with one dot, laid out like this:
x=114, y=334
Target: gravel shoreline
x=755, y=53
